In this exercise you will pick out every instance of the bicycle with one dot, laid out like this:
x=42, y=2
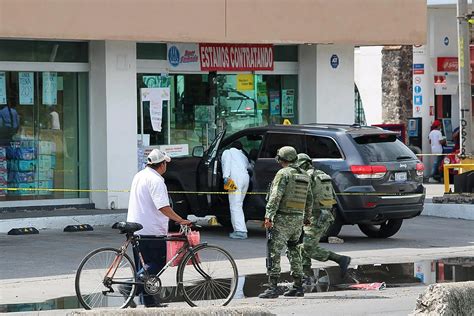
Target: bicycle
x=206, y=275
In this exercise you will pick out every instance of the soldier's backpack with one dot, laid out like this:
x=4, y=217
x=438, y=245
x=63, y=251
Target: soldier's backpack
x=325, y=196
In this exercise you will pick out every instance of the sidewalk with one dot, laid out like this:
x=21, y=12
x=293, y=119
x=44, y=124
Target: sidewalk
x=460, y=211
x=58, y=219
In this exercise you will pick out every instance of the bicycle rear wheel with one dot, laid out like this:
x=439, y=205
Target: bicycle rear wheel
x=91, y=288
x=209, y=277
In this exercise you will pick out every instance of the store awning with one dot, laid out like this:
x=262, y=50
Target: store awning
x=358, y=22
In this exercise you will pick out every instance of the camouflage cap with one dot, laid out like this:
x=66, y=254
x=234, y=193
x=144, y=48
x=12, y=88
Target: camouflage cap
x=304, y=161
x=287, y=153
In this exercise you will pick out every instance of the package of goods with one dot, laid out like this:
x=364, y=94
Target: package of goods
x=16, y=176
x=3, y=153
x=26, y=165
x=30, y=188
x=26, y=153
x=3, y=177
x=3, y=166
x=45, y=185
x=45, y=174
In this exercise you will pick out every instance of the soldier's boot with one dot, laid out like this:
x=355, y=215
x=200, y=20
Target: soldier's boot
x=308, y=276
x=272, y=291
x=296, y=290
x=343, y=262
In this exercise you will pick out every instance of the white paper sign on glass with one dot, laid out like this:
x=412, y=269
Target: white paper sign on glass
x=26, y=88
x=50, y=88
x=177, y=150
x=156, y=97
x=3, y=89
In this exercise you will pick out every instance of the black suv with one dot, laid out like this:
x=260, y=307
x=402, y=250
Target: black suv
x=378, y=180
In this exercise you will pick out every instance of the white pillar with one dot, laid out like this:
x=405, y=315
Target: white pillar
x=113, y=121
x=307, y=83
x=335, y=84
x=368, y=77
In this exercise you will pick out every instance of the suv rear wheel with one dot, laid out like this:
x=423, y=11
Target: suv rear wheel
x=384, y=230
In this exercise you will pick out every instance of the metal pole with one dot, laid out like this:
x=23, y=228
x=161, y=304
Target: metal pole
x=465, y=114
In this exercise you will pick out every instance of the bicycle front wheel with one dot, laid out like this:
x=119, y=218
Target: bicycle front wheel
x=93, y=289
x=208, y=277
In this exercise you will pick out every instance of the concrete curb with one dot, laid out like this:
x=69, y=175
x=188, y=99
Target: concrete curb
x=185, y=311
x=447, y=299
x=460, y=211
x=59, y=222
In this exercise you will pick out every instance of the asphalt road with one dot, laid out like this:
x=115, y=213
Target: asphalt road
x=53, y=252
x=39, y=267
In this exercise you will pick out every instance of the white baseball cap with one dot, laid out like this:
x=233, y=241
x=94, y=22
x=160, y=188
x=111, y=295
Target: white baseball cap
x=157, y=156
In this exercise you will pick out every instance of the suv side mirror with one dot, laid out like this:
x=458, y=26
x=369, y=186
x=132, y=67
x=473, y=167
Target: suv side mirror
x=198, y=151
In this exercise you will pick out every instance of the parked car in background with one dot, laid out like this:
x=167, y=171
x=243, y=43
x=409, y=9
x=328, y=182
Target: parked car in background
x=378, y=180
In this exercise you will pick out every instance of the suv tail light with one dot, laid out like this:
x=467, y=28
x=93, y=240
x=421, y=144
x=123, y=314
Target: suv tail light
x=420, y=167
x=369, y=172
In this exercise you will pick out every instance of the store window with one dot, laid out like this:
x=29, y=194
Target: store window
x=155, y=51
x=201, y=105
x=43, y=134
x=44, y=51
x=286, y=52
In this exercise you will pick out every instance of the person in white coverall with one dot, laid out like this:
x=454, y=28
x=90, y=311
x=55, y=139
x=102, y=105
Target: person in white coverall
x=234, y=166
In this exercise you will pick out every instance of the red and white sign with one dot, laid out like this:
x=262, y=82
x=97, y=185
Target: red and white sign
x=447, y=64
x=236, y=57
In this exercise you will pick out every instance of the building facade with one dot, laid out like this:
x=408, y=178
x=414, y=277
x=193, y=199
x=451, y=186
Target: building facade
x=435, y=76
x=84, y=90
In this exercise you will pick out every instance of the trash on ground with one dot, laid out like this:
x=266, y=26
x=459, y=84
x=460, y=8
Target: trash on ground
x=369, y=286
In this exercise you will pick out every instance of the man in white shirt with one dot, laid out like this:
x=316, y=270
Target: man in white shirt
x=149, y=205
x=437, y=141
x=234, y=166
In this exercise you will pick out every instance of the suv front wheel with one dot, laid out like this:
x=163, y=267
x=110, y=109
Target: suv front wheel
x=384, y=230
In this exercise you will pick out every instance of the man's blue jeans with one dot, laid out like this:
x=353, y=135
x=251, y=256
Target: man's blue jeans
x=154, y=255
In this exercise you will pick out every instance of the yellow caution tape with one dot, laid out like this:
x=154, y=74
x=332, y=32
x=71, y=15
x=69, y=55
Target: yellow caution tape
x=216, y=192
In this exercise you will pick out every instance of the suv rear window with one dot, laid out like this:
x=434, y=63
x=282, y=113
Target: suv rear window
x=322, y=147
x=274, y=141
x=382, y=148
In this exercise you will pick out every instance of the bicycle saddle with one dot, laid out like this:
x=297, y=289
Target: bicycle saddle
x=127, y=227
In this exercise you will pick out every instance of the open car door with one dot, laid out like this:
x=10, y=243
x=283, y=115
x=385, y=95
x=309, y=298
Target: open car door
x=207, y=172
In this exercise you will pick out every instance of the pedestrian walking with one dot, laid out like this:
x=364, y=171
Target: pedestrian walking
x=324, y=200
x=437, y=141
x=235, y=167
x=149, y=205
x=289, y=205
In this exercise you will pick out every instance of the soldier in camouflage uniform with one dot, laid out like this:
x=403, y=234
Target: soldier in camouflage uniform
x=289, y=205
x=324, y=200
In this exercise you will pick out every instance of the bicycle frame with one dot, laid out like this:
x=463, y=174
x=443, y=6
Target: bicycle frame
x=134, y=241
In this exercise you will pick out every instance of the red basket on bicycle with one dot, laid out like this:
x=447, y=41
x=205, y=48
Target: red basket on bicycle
x=173, y=247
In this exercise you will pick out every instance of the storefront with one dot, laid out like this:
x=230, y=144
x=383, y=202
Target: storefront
x=80, y=124
x=206, y=98
x=43, y=121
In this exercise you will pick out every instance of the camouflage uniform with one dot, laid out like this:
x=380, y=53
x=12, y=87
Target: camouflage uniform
x=289, y=205
x=322, y=218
